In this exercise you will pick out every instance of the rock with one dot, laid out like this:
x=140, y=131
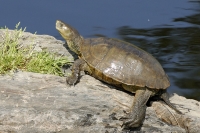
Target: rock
x=189, y=120
x=32, y=102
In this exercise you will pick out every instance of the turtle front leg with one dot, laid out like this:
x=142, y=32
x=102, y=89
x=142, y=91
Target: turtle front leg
x=137, y=114
x=76, y=68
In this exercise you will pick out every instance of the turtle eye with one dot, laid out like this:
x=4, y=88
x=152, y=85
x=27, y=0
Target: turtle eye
x=61, y=25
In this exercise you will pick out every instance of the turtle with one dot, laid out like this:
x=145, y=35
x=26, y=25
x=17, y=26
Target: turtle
x=121, y=64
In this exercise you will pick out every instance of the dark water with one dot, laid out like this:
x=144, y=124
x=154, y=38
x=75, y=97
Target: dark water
x=169, y=30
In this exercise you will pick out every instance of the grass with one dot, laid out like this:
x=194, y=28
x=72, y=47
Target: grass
x=14, y=56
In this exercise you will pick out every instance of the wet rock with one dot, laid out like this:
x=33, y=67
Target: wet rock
x=32, y=102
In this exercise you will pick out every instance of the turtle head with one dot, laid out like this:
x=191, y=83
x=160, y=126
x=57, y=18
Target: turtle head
x=71, y=35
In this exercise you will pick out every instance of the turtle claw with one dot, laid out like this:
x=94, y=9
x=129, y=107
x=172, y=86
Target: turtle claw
x=125, y=122
x=71, y=80
x=123, y=119
x=130, y=121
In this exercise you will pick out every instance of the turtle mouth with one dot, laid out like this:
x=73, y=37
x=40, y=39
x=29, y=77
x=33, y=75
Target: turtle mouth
x=59, y=25
x=63, y=30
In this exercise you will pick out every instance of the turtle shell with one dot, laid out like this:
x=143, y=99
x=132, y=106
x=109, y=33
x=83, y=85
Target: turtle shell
x=123, y=63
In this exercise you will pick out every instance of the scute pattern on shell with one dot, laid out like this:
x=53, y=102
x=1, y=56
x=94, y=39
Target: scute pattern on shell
x=123, y=63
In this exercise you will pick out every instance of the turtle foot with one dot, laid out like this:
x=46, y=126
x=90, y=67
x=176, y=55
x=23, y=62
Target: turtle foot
x=131, y=120
x=71, y=80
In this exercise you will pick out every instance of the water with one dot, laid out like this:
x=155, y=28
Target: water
x=169, y=30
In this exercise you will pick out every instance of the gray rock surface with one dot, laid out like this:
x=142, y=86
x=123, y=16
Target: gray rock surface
x=189, y=120
x=32, y=102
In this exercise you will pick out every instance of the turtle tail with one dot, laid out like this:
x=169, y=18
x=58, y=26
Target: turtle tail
x=165, y=97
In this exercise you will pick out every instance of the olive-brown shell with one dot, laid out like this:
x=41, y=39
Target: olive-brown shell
x=123, y=62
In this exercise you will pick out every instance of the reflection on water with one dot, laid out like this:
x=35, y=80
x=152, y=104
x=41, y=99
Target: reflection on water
x=177, y=49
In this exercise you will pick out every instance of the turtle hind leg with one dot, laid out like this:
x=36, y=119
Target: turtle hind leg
x=165, y=97
x=137, y=114
x=76, y=68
